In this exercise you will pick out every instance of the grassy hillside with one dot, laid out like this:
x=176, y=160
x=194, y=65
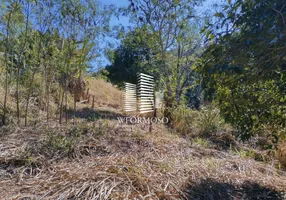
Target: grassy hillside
x=106, y=96
x=96, y=157
x=220, y=73
x=105, y=93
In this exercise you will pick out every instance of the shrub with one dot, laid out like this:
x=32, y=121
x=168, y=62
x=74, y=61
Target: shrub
x=184, y=119
x=252, y=106
x=61, y=144
x=206, y=121
x=103, y=127
x=274, y=132
x=210, y=120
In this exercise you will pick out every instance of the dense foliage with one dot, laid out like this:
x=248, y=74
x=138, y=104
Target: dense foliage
x=47, y=44
x=165, y=44
x=137, y=53
x=244, y=66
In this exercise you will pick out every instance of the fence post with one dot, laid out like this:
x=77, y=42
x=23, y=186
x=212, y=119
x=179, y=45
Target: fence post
x=88, y=99
x=92, y=101
x=87, y=93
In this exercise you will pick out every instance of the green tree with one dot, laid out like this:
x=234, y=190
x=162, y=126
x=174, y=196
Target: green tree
x=244, y=65
x=51, y=40
x=168, y=22
x=82, y=22
x=12, y=18
x=136, y=54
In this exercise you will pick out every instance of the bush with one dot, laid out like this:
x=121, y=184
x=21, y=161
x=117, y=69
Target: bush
x=64, y=144
x=61, y=144
x=210, y=120
x=206, y=121
x=184, y=119
x=273, y=134
x=252, y=106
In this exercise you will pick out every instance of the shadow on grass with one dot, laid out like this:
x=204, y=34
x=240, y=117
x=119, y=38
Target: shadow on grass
x=91, y=114
x=211, y=189
x=220, y=141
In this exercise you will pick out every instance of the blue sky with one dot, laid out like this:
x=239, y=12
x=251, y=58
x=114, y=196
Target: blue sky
x=125, y=21
x=118, y=3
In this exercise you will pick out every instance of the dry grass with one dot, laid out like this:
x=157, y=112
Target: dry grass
x=101, y=159
x=281, y=154
x=125, y=163
x=37, y=104
x=106, y=94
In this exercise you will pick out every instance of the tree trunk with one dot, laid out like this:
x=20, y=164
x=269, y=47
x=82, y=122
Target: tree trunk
x=61, y=105
x=168, y=92
x=48, y=103
x=66, y=106
x=5, y=97
x=6, y=74
x=17, y=95
x=74, y=101
x=47, y=91
x=28, y=97
x=19, y=65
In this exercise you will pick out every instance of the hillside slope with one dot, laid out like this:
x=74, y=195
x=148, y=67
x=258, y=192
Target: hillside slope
x=106, y=94
x=99, y=158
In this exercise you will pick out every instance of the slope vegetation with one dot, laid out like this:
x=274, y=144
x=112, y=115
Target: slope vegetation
x=99, y=158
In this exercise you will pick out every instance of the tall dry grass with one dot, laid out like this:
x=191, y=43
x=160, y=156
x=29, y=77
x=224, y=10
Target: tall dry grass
x=131, y=165
x=106, y=94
